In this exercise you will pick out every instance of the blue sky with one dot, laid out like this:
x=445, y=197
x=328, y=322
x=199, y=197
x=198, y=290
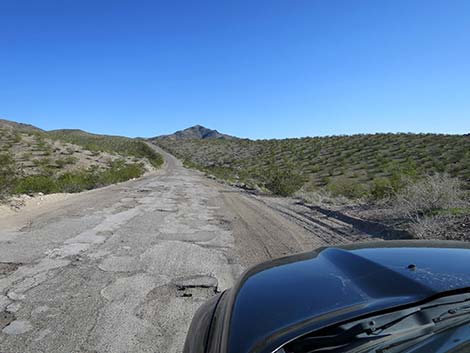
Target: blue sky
x=251, y=68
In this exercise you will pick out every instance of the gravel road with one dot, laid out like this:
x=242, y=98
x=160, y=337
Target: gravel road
x=123, y=268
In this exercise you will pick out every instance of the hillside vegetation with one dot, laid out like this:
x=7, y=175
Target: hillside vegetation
x=353, y=166
x=33, y=160
x=105, y=143
x=415, y=182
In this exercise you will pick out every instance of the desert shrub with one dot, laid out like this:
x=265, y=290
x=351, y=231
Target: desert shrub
x=70, y=160
x=397, y=157
x=46, y=166
x=432, y=227
x=17, y=138
x=27, y=156
x=62, y=162
x=402, y=174
x=321, y=197
x=120, y=171
x=141, y=149
x=349, y=188
x=41, y=144
x=36, y=183
x=284, y=183
x=225, y=173
x=381, y=188
x=80, y=180
x=8, y=172
x=112, y=144
x=187, y=163
x=429, y=195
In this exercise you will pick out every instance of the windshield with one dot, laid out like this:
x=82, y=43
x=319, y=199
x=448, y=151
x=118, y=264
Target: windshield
x=440, y=326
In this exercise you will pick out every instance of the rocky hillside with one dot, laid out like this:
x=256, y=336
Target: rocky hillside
x=34, y=160
x=117, y=145
x=13, y=126
x=352, y=165
x=195, y=132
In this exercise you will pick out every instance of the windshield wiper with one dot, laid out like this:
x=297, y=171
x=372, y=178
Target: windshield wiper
x=453, y=313
x=455, y=319
x=390, y=329
x=364, y=334
x=310, y=343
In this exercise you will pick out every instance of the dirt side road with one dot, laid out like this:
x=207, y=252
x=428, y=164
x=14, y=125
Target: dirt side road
x=123, y=268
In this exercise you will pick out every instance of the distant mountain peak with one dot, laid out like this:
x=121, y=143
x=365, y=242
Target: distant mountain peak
x=197, y=132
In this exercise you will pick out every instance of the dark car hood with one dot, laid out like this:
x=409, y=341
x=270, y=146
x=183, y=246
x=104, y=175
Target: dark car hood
x=285, y=298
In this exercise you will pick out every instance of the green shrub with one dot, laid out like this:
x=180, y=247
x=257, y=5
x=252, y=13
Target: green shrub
x=17, y=138
x=27, y=156
x=188, y=164
x=77, y=181
x=36, y=183
x=62, y=162
x=349, y=188
x=119, y=171
x=8, y=172
x=284, y=183
x=80, y=180
x=141, y=149
x=70, y=160
x=401, y=174
x=220, y=172
x=381, y=188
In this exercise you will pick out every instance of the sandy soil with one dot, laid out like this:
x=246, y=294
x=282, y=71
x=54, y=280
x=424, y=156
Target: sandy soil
x=15, y=210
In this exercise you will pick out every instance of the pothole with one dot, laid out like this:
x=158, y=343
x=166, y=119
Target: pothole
x=27, y=227
x=196, y=286
x=189, y=292
x=8, y=267
x=171, y=210
x=144, y=190
x=6, y=318
x=106, y=233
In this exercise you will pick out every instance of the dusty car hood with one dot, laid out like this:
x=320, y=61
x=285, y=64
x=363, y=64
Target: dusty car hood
x=283, y=299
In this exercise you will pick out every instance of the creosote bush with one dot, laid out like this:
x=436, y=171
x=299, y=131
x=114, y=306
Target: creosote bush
x=7, y=174
x=431, y=227
x=431, y=204
x=112, y=144
x=80, y=180
x=284, y=183
x=374, y=166
x=36, y=183
x=342, y=186
x=381, y=188
x=429, y=195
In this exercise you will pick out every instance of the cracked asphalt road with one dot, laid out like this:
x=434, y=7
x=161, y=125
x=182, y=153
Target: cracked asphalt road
x=123, y=268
